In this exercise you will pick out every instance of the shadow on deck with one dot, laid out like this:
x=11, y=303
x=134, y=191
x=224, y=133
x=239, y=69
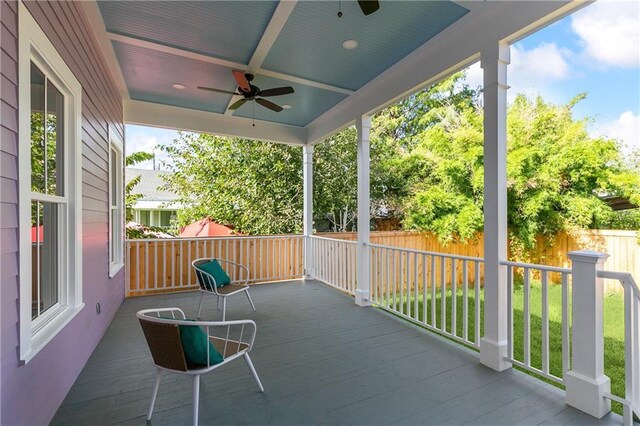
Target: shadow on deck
x=322, y=360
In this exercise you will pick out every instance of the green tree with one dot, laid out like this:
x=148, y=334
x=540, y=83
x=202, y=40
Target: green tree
x=256, y=187
x=556, y=172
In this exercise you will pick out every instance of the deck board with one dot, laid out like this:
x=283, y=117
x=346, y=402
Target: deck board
x=322, y=360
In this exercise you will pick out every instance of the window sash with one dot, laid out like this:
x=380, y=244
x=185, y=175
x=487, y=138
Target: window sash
x=116, y=204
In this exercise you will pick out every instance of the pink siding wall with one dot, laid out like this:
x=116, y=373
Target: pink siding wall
x=32, y=393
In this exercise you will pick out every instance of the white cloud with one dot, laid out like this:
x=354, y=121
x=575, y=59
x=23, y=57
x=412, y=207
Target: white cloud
x=147, y=139
x=531, y=71
x=626, y=128
x=610, y=32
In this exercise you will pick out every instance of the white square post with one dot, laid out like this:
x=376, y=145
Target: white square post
x=307, y=214
x=586, y=383
x=363, y=126
x=493, y=346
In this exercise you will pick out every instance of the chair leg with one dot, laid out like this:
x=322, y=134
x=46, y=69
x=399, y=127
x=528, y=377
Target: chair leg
x=253, y=371
x=196, y=398
x=155, y=393
x=250, y=301
x=200, y=305
x=224, y=308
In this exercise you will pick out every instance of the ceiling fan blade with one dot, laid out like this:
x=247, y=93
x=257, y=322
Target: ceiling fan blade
x=268, y=104
x=277, y=91
x=237, y=104
x=368, y=6
x=211, y=89
x=243, y=83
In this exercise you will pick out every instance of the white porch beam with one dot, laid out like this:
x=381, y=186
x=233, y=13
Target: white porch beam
x=493, y=346
x=170, y=117
x=363, y=298
x=508, y=21
x=307, y=213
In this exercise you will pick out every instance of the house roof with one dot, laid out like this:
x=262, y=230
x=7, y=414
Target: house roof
x=402, y=47
x=149, y=186
x=205, y=228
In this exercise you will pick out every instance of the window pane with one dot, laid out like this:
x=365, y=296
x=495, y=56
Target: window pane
x=44, y=256
x=145, y=217
x=114, y=178
x=165, y=218
x=55, y=147
x=115, y=235
x=37, y=129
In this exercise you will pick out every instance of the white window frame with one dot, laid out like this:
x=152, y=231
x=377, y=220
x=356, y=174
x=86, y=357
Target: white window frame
x=116, y=242
x=34, y=46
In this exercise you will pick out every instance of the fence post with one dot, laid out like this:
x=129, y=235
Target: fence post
x=307, y=226
x=586, y=382
x=363, y=297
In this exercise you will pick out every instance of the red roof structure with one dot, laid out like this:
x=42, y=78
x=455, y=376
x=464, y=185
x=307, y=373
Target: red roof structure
x=206, y=228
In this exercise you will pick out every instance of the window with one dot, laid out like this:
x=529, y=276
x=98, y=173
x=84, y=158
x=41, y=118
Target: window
x=116, y=202
x=49, y=178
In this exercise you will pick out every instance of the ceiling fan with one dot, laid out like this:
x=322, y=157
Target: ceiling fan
x=249, y=92
x=368, y=6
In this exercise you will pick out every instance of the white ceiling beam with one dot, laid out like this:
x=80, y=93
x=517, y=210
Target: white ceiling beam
x=217, y=61
x=455, y=48
x=279, y=18
x=174, y=51
x=170, y=117
x=93, y=15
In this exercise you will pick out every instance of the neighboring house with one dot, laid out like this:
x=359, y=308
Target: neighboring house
x=156, y=207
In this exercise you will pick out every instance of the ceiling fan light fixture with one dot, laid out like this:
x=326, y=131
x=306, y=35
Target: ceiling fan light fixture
x=350, y=44
x=178, y=86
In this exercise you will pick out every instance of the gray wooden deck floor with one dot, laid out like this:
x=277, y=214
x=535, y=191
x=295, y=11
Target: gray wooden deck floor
x=322, y=360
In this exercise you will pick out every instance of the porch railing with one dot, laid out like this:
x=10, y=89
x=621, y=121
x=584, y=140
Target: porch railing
x=438, y=291
x=631, y=401
x=334, y=262
x=538, y=363
x=164, y=265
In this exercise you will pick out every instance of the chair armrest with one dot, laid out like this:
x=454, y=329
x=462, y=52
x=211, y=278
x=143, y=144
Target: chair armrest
x=243, y=268
x=176, y=313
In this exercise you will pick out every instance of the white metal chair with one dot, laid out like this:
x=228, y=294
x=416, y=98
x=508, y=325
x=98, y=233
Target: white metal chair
x=232, y=339
x=239, y=283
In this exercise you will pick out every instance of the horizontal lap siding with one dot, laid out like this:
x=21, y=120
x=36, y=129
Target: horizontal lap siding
x=46, y=379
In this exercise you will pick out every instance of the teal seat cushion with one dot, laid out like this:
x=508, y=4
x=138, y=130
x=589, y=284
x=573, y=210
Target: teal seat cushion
x=194, y=345
x=214, y=269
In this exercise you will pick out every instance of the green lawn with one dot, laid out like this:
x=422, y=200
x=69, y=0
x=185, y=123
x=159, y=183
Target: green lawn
x=613, y=318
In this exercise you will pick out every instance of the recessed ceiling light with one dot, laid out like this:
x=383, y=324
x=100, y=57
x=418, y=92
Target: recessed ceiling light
x=285, y=106
x=178, y=86
x=350, y=44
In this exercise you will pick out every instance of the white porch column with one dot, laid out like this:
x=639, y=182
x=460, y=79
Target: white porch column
x=363, y=126
x=307, y=214
x=586, y=382
x=493, y=346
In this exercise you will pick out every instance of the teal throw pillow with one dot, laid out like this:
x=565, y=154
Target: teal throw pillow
x=194, y=344
x=214, y=269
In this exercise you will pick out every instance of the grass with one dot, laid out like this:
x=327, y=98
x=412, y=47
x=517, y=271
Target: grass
x=613, y=327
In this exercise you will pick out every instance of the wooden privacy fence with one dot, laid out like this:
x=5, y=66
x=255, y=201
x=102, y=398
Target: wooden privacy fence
x=164, y=265
x=622, y=247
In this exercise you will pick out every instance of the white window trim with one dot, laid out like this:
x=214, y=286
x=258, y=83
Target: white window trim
x=33, y=43
x=115, y=142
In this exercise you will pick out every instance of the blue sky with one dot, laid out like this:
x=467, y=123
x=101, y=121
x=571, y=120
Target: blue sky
x=595, y=50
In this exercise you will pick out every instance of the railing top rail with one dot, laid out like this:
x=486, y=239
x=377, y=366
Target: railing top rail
x=625, y=278
x=535, y=266
x=340, y=240
x=235, y=237
x=429, y=253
